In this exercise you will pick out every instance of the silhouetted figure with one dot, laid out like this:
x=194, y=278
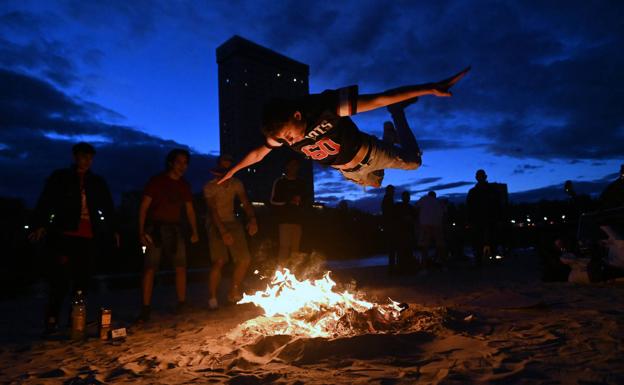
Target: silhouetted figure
x=389, y=223
x=613, y=195
x=483, y=213
x=225, y=233
x=319, y=127
x=289, y=198
x=161, y=229
x=406, y=231
x=75, y=210
x=431, y=213
x=556, y=250
x=577, y=203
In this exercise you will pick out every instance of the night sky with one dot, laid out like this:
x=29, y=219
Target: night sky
x=542, y=104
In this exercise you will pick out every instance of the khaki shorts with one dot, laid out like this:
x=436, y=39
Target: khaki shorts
x=219, y=251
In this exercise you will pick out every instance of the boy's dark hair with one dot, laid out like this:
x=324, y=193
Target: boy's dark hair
x=173, y=154
x=83, y=148
x=276, y=113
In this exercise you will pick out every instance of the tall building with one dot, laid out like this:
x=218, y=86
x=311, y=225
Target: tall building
x=249, y=76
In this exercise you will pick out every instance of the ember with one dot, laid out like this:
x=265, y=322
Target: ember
x=314, y=309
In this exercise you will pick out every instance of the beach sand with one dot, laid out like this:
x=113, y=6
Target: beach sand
x=498, y=324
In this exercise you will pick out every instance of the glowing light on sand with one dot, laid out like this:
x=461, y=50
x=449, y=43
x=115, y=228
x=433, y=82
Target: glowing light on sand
x=309, y=308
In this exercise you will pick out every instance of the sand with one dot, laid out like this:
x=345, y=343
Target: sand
x=498, y=324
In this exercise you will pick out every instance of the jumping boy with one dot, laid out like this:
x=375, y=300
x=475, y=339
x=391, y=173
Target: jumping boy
x=319, y=127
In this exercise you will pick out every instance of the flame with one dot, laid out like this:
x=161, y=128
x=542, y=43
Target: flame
x=308, y=308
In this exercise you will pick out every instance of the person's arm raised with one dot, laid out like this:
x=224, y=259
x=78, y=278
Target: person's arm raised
x=254, y=156
x=367, y=102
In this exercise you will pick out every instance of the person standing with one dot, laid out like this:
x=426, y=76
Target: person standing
x=75, y=210
x=161, y=228
x=406, y=231
x=288, y=198
x=483, y=213
x=389, y=223
x=225, y=233
x=430, y=224
x=613, y=195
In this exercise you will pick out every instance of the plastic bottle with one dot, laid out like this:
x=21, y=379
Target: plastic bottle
x=78, y=317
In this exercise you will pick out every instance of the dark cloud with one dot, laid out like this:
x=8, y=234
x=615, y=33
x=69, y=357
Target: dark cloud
x=445, y=186
x=521, y=169
x=32, y=109
x=47, y=58
x=135, y=19
x=546, y=79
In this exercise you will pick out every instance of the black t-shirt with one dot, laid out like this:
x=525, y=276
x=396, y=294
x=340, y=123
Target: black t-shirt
x=331, y=136
x=284, y=190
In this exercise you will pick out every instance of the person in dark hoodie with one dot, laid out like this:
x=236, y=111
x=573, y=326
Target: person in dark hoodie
x=74, y=212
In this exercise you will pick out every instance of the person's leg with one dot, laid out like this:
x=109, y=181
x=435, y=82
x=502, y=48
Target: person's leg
x=283, y=253
x=58, y=281
x=179, y=261
x=82, y=262
x=213, y=281
x=425, y=241
x=147, y=285
x=297, y=231
x=383, y=156
x=404, y=133
x=440, y=244
x=218, y=256
x=150, y=264
x=478, y=243
x=241, y=257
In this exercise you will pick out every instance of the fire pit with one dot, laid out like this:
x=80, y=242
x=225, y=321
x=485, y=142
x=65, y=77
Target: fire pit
x=317, y=308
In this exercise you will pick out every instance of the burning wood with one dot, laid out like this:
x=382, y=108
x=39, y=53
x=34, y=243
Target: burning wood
x=314, y=309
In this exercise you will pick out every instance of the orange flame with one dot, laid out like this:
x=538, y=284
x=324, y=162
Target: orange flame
x=308, y=308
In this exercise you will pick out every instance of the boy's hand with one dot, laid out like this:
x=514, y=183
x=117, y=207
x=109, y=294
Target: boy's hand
x=441, y=88
x=194, y=237
x=37, y=235
x=228, y=239
x=225, y=177
x=145, y=239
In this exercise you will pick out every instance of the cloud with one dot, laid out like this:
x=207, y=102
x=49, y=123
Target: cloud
x=40, y=124
x=521, y=169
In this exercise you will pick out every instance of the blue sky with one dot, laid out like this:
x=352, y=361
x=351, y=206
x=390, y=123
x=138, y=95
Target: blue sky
x=542, y=104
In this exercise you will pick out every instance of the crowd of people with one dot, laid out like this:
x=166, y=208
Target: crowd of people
x=413, y=229
x=75, y=214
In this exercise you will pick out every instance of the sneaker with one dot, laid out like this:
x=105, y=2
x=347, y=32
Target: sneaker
x=213, y=304
x=144, y=315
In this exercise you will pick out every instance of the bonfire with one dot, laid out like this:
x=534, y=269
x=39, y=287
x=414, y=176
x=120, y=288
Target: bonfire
x=315, y=308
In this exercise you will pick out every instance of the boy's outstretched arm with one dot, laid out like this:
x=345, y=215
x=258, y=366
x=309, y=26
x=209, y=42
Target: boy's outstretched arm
x=254, y=156
x=367, y=102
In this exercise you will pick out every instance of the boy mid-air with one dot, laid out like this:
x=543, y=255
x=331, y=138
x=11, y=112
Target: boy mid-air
x=318, y=126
